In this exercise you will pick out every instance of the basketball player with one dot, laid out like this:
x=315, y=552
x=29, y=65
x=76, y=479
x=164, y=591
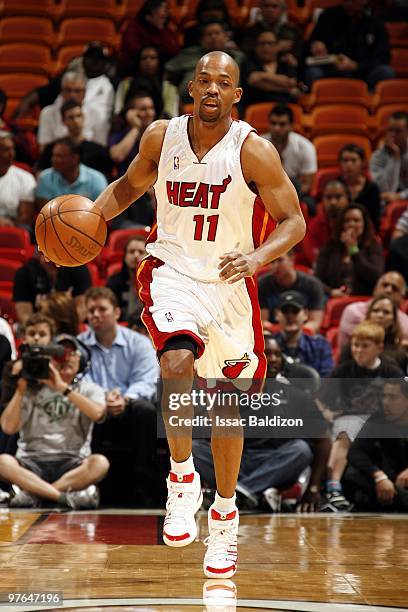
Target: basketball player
x=200, y=299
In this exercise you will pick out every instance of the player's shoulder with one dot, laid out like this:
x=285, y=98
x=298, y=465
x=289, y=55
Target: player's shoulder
x=257, y=147
x=259, y=158
x=153, y=137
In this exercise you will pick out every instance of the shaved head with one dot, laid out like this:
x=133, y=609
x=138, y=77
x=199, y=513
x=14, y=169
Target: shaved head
x=224, y=61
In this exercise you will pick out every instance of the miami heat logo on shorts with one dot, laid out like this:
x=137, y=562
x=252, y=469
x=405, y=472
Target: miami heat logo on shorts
x=234, y=367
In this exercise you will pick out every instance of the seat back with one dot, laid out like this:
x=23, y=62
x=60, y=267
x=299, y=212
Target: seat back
x=257, y=115
x=340, y=91
x=328, y=147
x=335, y=307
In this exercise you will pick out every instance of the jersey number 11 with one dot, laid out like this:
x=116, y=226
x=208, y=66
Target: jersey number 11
x=212, y=221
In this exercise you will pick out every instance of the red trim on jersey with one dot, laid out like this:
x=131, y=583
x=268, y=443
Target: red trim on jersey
x=259, y=345
x=262, y=223
x=144, y=280
x=152, y=237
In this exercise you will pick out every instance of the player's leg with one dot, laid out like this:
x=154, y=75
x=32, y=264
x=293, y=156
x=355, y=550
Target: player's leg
x=183, y=483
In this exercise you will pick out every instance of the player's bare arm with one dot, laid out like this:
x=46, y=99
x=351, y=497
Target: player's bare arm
x=261, y=165
x=140, y=176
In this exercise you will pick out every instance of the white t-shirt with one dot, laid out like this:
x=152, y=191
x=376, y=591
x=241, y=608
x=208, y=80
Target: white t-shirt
x=51, y=127
x=16, y=186
x=7, y=332
x=299, y=155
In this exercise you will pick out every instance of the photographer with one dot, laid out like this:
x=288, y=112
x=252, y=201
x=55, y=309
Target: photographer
x=54, y=416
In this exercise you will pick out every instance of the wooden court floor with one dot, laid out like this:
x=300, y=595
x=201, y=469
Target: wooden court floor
x=114, y=560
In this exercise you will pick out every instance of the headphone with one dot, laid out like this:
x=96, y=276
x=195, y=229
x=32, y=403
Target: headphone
x=85, y=358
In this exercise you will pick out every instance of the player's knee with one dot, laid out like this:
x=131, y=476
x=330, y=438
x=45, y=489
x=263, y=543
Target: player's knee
x=177, y=364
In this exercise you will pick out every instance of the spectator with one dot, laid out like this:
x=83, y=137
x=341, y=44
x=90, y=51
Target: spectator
x=401, y=228
x=124, y=364
x=7, y=331
x=274, y=463
x=351, y=263
x=16, y=188
x=123, y=283
x=383, y=311
x=180, y=70
x=389, y=164
x=54, y=417
x=38, y=329
x=357, y=42
x=93, y=154
x=51, y=127
x=349, y=397
x=5, y=348
x=207, y=11
x=284, y=277
x=148, y=27
x=124, y=140
x=297, y=153
x=61, y=308
x=272, y=15
x=391, y=284
x=68, y=175
x=128, y=129
x=321, y=228
x=267, y=76
x=361, y=189
x=148, y=77
x=314, y=351
x=377, y=476
x=99, y=94
x=37, y=278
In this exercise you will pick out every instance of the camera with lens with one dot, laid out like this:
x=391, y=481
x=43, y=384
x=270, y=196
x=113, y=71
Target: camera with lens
x=36, y=360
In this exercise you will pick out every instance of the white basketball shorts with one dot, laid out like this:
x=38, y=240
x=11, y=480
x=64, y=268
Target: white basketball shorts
x=224, y=320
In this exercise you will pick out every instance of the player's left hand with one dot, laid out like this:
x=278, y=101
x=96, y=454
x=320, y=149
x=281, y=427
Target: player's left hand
x=234, y=266
x=402, y=479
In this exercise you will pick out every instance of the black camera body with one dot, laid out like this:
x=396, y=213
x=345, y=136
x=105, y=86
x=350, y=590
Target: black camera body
x=36, y=360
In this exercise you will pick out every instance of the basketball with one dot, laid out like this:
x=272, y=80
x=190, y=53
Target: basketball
x=70, y=230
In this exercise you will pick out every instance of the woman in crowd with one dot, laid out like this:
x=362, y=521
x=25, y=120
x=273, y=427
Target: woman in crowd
x=363, y=191
x=351, y=262
x=148, y=76
x=123, y=283
x=383, y=311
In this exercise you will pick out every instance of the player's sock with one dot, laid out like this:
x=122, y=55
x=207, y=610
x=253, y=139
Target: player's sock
x=333, y=486
x=224, y=504
x=184, y=467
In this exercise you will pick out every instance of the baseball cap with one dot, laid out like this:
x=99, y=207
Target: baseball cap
x=291, y=298
x=78, y=346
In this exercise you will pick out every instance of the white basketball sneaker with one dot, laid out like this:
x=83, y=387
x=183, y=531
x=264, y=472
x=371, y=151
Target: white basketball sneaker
x=220, y=560
x=184, y=498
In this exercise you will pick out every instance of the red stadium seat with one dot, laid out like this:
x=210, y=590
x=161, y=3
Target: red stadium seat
x=399, y=61
x=8, y=268
x=392, y=213
x=113, y=269
x=257, y=115
x=335, y=307
x=7, y=307
x=339, y=91
x=27, y=30
x=17, y=84
x=321, y=178
x=332, y=335
x=328, y=147
x=15, y=244
x=83, y=30
x=94, y=272
x=398, y=33
x=392, y=91
x=26, y=57
x=45, y=8
x=89, y=8
x=113, y=252
x=336, y=118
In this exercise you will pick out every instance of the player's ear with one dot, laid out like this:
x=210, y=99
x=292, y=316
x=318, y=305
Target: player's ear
x=238, y=94
x=190, y=88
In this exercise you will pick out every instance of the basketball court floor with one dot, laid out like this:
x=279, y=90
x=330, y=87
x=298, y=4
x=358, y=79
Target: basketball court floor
x=115, y=560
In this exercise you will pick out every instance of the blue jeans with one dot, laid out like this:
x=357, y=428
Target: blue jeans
x=261, y=468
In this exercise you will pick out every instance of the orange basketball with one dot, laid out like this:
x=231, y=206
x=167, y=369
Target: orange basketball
x=70, y=231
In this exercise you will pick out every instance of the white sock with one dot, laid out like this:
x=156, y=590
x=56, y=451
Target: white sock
x=224, y=504
x=185, y=467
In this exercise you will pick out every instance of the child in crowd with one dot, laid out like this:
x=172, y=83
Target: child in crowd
x=349, y=397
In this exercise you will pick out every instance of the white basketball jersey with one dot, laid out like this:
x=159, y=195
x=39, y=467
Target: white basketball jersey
x=204, y=209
